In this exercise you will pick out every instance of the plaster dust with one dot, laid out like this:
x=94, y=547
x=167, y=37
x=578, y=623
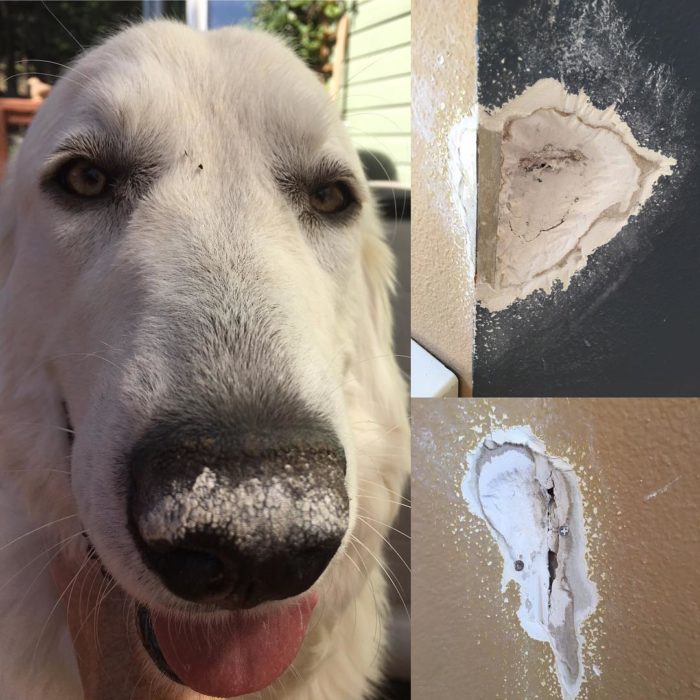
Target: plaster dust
x=571, y=175
x=531, y=503
x=642, y=641
x=443, y=241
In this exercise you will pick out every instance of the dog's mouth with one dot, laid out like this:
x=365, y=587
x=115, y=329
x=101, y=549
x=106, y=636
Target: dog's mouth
x=230, y=655
x=225, y=654
x=150, y=643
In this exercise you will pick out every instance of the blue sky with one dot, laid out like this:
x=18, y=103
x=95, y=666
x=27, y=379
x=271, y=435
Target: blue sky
x=223, y=12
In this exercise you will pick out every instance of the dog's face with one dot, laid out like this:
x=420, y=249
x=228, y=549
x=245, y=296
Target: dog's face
x=194, y=279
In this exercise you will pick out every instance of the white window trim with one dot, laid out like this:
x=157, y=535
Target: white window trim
x=197, y=12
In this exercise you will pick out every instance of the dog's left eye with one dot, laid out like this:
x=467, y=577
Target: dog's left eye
x=82, y=178
x=331, y=198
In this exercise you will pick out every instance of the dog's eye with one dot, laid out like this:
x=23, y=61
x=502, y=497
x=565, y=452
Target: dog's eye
x=331, y=198
x=82, y=178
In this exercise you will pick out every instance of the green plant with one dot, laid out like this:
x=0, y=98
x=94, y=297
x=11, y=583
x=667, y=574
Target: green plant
x=308, y=25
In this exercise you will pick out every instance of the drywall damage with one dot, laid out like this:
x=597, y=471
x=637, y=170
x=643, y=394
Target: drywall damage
x=532, y=505
x=558, y=178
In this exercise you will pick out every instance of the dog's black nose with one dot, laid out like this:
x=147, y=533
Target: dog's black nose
x=213, y=569
x=238, y=519
x=190, y=573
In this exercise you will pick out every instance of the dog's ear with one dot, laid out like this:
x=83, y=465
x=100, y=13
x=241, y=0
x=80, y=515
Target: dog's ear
x=377, y=368
x=8, y=222
x=382, y=431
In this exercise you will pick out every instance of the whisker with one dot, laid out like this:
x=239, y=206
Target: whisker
x=391, y=546
x=36, y=469
x=387, y=573
x=397, y=217
x=41, y=527
x=109, y=586
x=70, y=585
x=54, y=63
x=355, y=564
x=388, y=430
x=62, y=25
x=364, y=496
x=50, y=75
x=100, y=580
x=385, y=487
x=37, y=424
x=86, y=355
x=38, y=556
x=380, y=58
x=376, y=633
x=381, y=522
x=362, y=577
x=110, y=347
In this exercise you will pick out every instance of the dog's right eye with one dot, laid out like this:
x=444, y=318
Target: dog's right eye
x=331, y=198
x=82, y=178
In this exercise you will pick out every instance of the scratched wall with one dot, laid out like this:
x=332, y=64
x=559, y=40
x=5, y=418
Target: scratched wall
x=628, y=324
x=637, y=462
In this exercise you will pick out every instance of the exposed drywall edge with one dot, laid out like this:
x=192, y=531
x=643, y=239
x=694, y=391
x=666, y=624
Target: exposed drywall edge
x=443, y=242
x=488, y=162
x=497, y=291
x=532, y=506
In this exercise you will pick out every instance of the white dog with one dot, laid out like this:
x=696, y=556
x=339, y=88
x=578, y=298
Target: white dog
x=196, y=374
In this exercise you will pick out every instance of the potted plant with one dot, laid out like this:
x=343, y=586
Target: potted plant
x=309, y=26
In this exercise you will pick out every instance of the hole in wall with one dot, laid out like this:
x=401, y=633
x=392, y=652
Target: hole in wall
x=532, y=505
x=558, y=178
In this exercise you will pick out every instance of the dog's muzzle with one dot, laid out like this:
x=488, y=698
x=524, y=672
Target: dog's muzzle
x=236, y=519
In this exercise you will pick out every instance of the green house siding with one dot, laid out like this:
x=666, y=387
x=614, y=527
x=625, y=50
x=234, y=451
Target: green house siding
x=376, y=97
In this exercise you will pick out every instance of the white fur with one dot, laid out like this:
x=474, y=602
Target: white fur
x=85, y=308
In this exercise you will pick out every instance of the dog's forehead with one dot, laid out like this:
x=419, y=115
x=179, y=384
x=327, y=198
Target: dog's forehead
x=227, y=80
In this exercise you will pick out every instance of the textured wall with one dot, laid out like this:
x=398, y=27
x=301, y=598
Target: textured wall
x=442, y=248
x=638, y=464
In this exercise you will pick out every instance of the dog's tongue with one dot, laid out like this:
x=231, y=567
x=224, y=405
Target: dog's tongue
x=238, y=655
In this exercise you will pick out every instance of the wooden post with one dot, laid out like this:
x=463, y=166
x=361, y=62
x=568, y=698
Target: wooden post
x=339, y=58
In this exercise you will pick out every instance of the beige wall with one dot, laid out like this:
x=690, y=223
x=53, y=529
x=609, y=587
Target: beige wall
x=643, y=551
x=442, y=249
